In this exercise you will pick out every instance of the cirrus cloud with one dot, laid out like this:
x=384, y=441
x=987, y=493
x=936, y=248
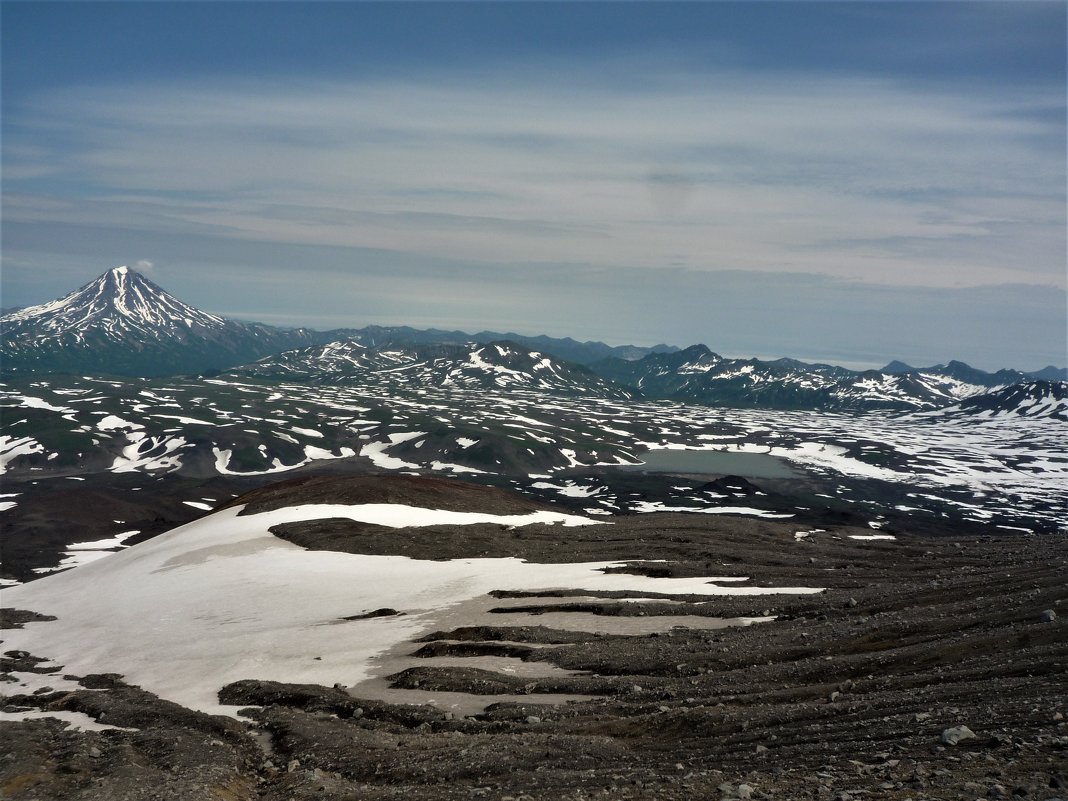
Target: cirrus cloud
x=855, y=178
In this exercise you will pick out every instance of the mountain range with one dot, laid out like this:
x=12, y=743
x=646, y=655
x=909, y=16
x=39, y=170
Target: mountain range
x=947, y=445
x=124, y=324
x=500, y=364
x=562, y=348
x=698, y=375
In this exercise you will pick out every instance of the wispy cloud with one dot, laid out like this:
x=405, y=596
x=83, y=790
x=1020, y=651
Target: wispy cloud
x=857, y=179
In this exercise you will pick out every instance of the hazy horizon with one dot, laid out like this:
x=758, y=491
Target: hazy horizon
x=146, y=269
x=849, y=183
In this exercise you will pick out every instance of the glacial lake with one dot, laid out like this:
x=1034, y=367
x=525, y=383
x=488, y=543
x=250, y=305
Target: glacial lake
x=749, y=465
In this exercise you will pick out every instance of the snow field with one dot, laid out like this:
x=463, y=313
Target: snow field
x=222, y=599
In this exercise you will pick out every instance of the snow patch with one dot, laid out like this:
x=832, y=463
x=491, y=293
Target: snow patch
x=76, y=721
x=645, y=507
x=221, y=599
x=29, y=402
x=13, y=447
x=113, y=422
x=570, y=489
x=103, y=545
x=455, y=468
x=376, y=452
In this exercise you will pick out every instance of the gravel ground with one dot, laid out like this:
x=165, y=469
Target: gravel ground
x=929, y=669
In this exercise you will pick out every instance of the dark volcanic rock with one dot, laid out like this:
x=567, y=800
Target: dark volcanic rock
x=425, y=491
x=831, y=698
x=161, y=752
x=15, y=618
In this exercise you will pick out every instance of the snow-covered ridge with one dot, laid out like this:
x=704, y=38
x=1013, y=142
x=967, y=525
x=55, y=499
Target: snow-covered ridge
x=495, y=365
x=1037, y=399
x=699, y=375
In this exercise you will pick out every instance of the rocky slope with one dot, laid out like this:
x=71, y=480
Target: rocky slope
x=926, y=669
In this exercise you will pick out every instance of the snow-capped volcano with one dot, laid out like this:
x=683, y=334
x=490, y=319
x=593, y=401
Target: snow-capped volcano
x=123, y=323
x=117, y=303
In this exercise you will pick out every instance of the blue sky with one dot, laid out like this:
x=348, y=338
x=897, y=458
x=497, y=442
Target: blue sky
x=852, y=182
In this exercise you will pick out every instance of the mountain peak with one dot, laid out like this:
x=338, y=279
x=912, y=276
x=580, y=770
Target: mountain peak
x=118, y=299
x=897, y=367
x=696, y=351
x=123, y=323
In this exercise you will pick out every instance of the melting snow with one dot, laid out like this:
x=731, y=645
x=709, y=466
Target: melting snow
x=221, y=599
x=376, y=452
x=36, y=403
x=13, y=447
x=643, y=507
x=113, y=423
x=160, y=454
x=570, y=489
x=315, y=454
x=99, y=545
x=454, y=468
x=76, y=721
x=185, y=420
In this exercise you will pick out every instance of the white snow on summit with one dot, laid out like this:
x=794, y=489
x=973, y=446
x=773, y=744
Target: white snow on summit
x=118, y=301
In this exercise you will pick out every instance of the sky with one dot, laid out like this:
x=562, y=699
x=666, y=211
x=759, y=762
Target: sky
x=850, y=182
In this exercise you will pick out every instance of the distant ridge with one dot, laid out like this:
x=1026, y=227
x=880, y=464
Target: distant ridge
x=1050, y=373
x=698, y=375
x=966, y=372
x=122, y=323
x=498, y=365
x=1035, y=399
x=562, y=348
